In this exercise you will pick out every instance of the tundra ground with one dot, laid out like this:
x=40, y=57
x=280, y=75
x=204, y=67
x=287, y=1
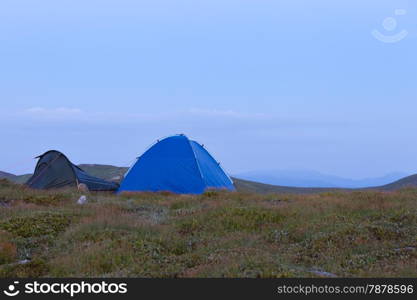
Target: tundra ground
x=217, y=234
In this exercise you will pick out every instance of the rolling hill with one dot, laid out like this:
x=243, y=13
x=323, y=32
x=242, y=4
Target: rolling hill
x=261, y=188
x=21, y=179
x=6, y=175
x=106, y=172
x=116, y=174
x=109, y=172
x=409, y=181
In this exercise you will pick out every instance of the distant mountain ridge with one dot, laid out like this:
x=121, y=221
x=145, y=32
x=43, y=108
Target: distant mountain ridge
x=313, y=179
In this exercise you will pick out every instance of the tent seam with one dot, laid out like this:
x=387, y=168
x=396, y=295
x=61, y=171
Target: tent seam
x=219, y=164
x=196, y=161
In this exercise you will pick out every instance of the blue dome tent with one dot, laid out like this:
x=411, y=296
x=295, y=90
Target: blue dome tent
x=178, y=165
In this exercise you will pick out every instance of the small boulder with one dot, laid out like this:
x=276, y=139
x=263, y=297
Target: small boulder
x=82, y=200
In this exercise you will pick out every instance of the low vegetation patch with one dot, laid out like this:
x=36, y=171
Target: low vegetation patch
x=217, y=234
x=36, y=224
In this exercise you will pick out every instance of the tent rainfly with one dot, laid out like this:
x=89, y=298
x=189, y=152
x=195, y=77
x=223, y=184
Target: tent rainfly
x=178, y=165
x=54, y=170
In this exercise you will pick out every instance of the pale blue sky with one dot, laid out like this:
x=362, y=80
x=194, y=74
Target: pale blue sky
x=294, y=84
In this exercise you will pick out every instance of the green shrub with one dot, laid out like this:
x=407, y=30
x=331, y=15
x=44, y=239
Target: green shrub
x=36, y=224
x=48, y=199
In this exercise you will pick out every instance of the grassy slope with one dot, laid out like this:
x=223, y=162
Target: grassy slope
x=21, y=179
x=217, y=234
x=106, y=172
x=410, y=181
x=256, y=187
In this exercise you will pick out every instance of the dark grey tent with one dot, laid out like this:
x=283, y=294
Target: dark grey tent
x=54, y=170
